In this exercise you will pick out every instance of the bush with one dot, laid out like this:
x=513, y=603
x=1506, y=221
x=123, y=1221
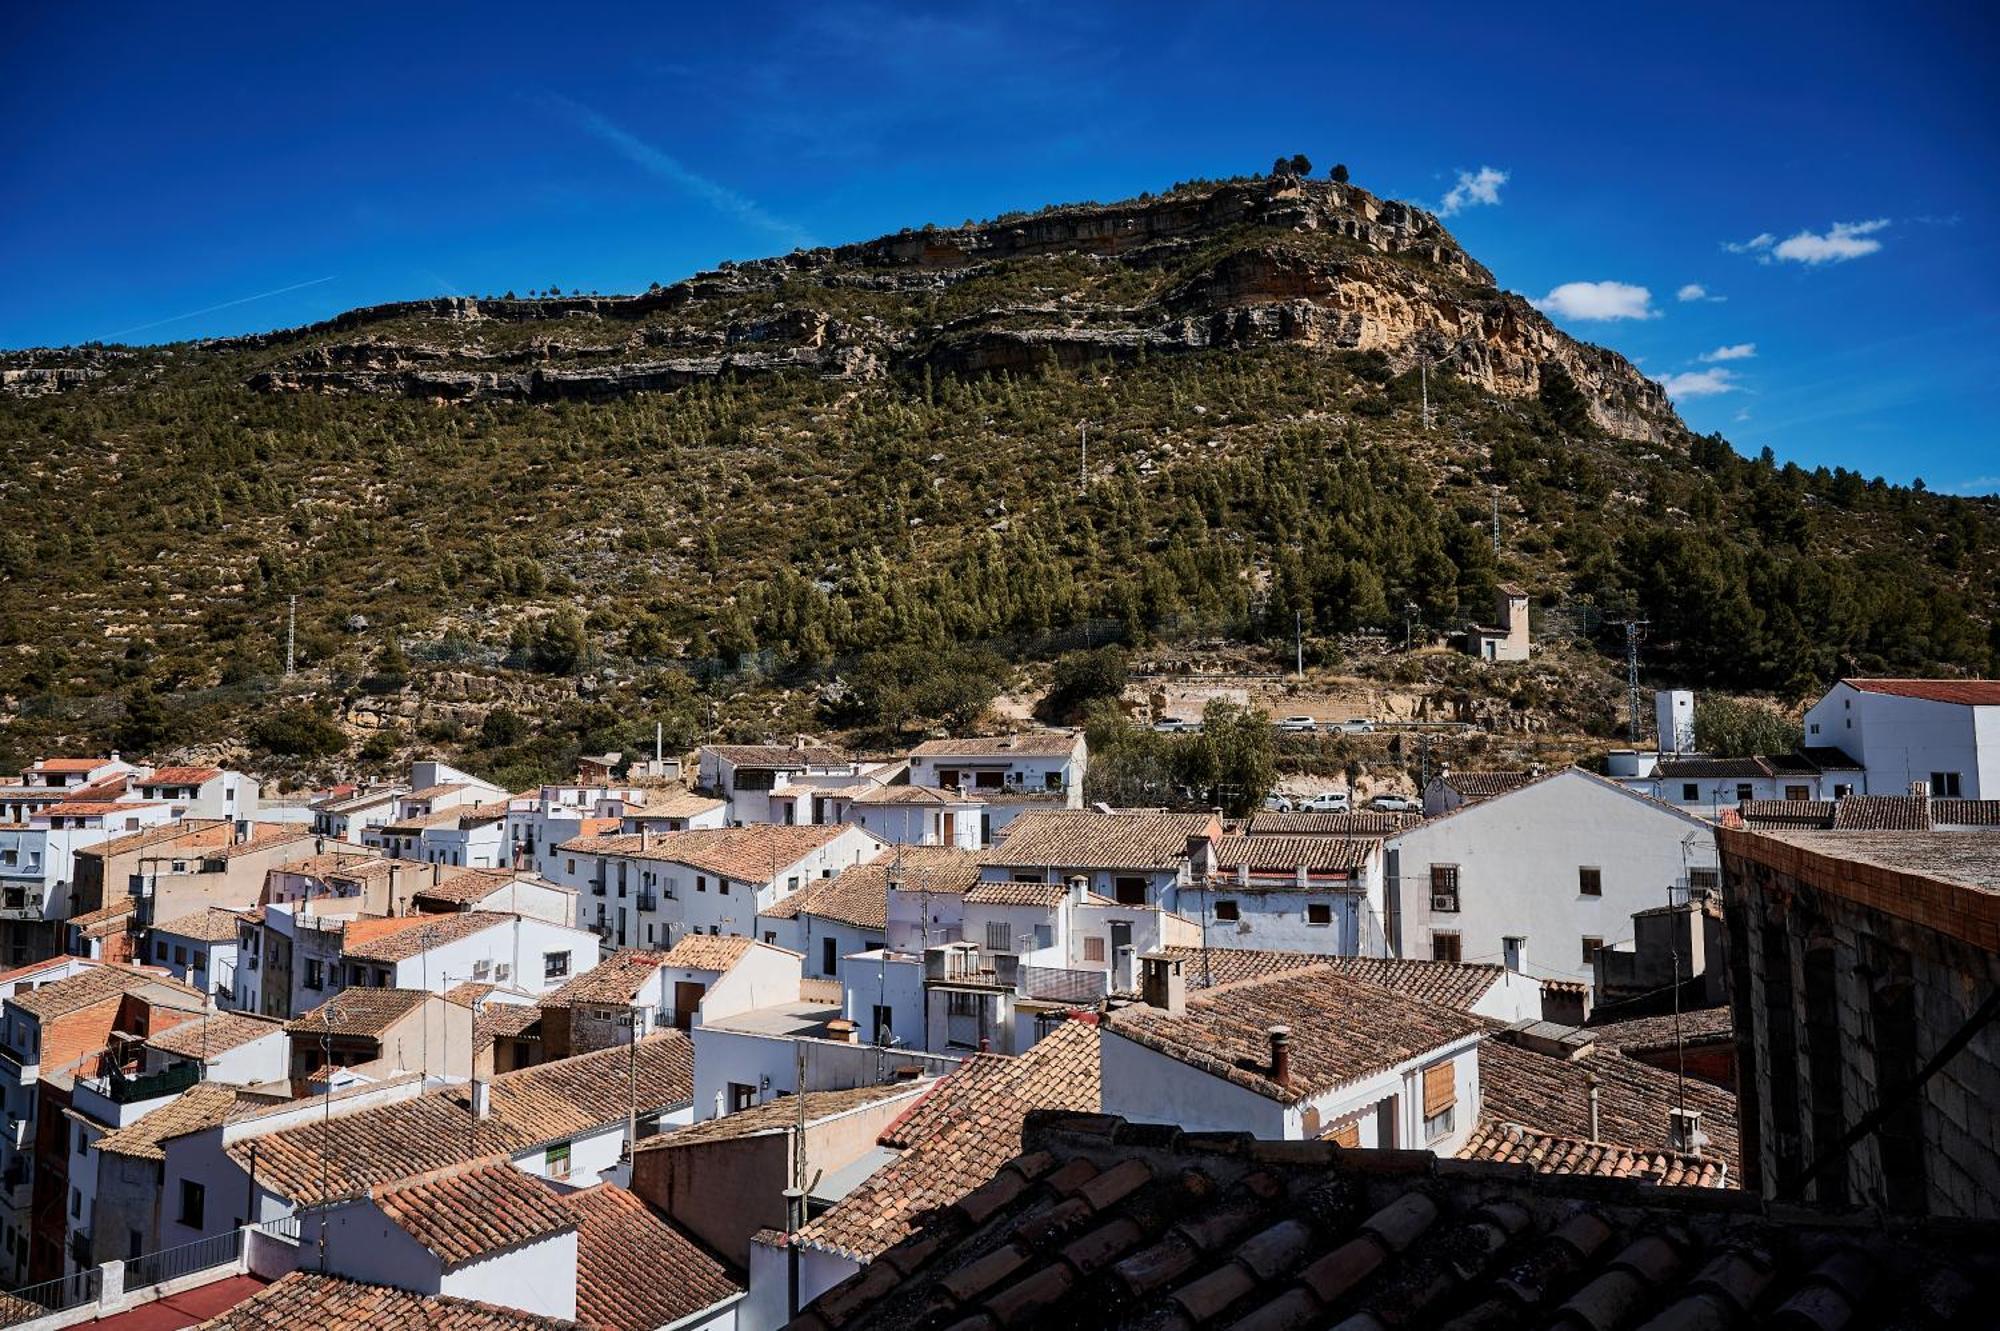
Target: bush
x=298, y=732
x=1081, y=678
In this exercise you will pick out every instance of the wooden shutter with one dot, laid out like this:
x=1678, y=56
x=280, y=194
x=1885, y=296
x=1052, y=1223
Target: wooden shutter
x=1440, y=1089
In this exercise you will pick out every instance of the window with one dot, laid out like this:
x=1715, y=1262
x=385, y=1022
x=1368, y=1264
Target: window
x=1227, y=912
x=1704, y=882
x=1690, y=793
x=555, y=965
x=1045, y=936
x=201, y=961
x=792, y=883
x=193, y=1201
x=1319, y=912
x=569, y=865
x=1444, y=947
x=160, y=949
x=1745, y=791
x=1590, y=948
x=999, y=936
x=556, y=1161
x=1797, y=793
x=1814, y=727
x=829, y=955
x=1444, y=887
x=1093, y=949
x=82, y=1141
x=885, y=1023
x=741, y=1096
x=1052, y=781
x=1944, y=785
x=1514, y=952
x=180, y=955
x=1440, y=1095
x=75, y=1202
x=1590, y=881
x=701, y=882
x=960, y=1004
x=1131, y=891
x=770, y=935
x=722, y=886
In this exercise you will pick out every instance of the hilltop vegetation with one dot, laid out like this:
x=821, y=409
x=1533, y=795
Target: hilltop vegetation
x=750, y=550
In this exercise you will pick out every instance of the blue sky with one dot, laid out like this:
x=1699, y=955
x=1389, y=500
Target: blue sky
x=1825, y=174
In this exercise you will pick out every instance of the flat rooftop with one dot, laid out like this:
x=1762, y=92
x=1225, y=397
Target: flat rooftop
x=1969, y=859
x=787, y=1020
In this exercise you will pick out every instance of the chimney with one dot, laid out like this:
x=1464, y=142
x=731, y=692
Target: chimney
x=645, y=835
x=482, y=1098
x=1243, y=873
x=1079, y=886
x=1201, y=857
x=1281, y=1055
x=1684, y=1132
x=1126, y=969
x=1590, y=1084
x=319, y=845
x=1162, y=985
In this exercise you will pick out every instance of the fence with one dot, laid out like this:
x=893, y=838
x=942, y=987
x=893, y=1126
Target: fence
x=53, y=1296
x=156, y=1268
x=1056, y=985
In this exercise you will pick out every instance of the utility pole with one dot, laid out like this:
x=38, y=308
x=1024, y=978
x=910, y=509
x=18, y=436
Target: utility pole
x=1409, y=624
x=1632, y=627
x=1083, y=455
x=1424, y=381
x=292, y=635
x=1299, y=641
x=1496, y=519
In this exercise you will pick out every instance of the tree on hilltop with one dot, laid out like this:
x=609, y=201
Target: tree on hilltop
x=1339, y=173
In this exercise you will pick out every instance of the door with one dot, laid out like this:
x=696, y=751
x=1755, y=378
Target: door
x=687, y=997
x=1121, y=937
x=1510, y=952
x=829, y=955
x=950, y=836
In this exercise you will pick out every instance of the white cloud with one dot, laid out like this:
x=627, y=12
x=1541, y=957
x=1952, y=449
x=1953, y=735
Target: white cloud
x=1761, y=241
x=1598, y=300
x=1700, y=383
x=1740, y=351
x=1742, y=416
x=1482, y=186
x=1696, y=291
x=1842, y=241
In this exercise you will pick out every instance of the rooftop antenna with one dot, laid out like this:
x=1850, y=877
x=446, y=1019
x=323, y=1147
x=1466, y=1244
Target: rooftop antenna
x=292, y=634
x=1632, y=627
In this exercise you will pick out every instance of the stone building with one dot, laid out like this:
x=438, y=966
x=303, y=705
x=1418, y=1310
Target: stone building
x=1859, y=959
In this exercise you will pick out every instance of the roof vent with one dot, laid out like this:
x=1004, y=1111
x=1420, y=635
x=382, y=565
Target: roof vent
x=1281, y=1055
x=1684, y=1132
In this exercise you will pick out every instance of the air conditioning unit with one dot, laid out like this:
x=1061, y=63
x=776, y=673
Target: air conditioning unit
x=1444, y=903
x=481, y=969
x=502, y=971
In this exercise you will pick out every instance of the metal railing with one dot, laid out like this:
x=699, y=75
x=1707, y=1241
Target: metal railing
x=156, y=1268
x=285, y=1227
x=58, y=1295
x=1058, y=985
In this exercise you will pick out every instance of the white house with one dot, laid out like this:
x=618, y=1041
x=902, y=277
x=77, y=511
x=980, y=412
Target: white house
x=200, y=792
x=467, y=835
x=198, y=949
x=920, y=816
x=641, y=890
x=1010, y=773
x=1707, y=786
x=748, y=776
x=1905, y=732
x=1321, y=894
x=1133, y=858
x=508, y=891
x=347, y=817
x=1508, y=639
x=1540, y=877
x=436, y=952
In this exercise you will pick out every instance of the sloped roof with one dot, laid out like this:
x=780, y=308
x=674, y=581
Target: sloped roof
x=1552, y=1095
x=217, y=1033
x=708, y=952
x=1452, y=984
x=1341, y=1031
x=793, y=757
x=1031, y=744
x=366, y=940
x=466, y=886
x=614, y=980
x=464, y=1212
x=202, y=1105
x=532, y=1107
x=360, y=1012
x=1883, y=813
x=1287, y=854
x=180, y=776
x=782, y=1115
x=308, y=1299
x=1511, y=1143
x=1787, y=813
x=859, y=894
x=749, y=854
x=212, y=924
x=97, y=985
x=1080, y=839
x=1364, y=822
x=635, y=1271
x=1965, y=692
x=1485, y=785
x=1644, y=1034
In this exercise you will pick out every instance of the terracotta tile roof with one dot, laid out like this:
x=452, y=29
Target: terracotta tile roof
x=1965, y=692
x=203, y=1105
x=956, y=1136
x=1694, y=769
x=110, y=919
x=418, y=934
x=709, y=952
x=1287, y=854
x=1114, y=1226
x=69, y=765
x=457, y=815
x=443, y=788
x=530, y=1108
x=217, y=1033
x=790, y=757
x=92, y=808
x=1485, y=785
x=1366, y=822
x=357, y=864
x=1045, y=895
x=874, y=796
x=676, y=803
x=212, y=924
x=496, y=1021
x=1787, y=813
x=1510, y=1143
x=180, y=776
x=465, y=1212
x=193, y=833
x=614, y=980
x=358, y=1012
x=1341, y=1031
x=1965, y=813
x=1552, y=1095
x=752, y=854
x=1032, y=744
x=782, y=1114
x=859, y=894
x=1451, y=984
x=1644, y=1034
x=825, y=993
x=467, y=886
x=1076, y=839
x=96, y=985
x=308, y=1299
x=634, y=1271
x=1883, y=813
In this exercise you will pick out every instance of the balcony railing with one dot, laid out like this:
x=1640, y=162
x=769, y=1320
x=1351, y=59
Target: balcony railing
x=63, y=1293
x=155, y=1268
x=1058, y=985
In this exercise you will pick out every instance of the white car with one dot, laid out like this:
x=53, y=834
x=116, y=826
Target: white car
x=1357, y=725
x=1277, y=804
x=1298, y=725
x=1172, y=725
x=1327, y=801
x=1395, y=804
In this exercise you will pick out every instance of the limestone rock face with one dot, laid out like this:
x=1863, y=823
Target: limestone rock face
x=1312, y=264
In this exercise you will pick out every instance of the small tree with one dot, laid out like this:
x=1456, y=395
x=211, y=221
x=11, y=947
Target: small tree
x=1339, y=173
x=1301, y=165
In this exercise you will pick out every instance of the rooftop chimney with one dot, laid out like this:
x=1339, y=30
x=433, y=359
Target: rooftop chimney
x=1162, y=985
x=1079, y=886
x=1281, y=1055
x=1590, y=1083
x=1684, y=1132
x=482, y=1098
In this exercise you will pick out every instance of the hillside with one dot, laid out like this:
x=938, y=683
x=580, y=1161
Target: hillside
x=793, y=494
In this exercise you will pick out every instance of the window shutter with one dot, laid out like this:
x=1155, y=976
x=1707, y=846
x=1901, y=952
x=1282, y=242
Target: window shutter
x=1440, y=1089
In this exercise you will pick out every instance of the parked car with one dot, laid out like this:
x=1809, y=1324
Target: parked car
x=1357, y=725
x=1298, y=725
x=1395, y=804
x=1172, y=725
x=1277, y=804
x=1327, y=801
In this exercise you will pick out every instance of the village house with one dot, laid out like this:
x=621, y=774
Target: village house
x=1009, y=774
x=640, y=890
x=435, y=952
x=917, y=815
x=510, y=891
x=1450, y=790
x=1944, y=734
x=758, y=780
x=105, y=934
x=1507, y=639
x=38, y=859
x=1319, y=894
x=1542, y=875
x=379, y=1033
x=1135, y=858
x=348, y=817
x=626, y=997
x=200, y=792
x=182, y=867
x=830, y=918
x=198, y=949
x=466, y=835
